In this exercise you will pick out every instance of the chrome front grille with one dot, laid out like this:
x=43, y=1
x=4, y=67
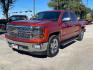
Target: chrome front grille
x=19, y=31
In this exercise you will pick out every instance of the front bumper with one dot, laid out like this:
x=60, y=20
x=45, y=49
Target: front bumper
x=28, y=47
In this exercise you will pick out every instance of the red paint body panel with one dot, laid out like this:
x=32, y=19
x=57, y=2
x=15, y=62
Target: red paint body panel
x=66, y=31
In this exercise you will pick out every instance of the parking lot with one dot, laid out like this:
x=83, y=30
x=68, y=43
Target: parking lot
x=76, y=56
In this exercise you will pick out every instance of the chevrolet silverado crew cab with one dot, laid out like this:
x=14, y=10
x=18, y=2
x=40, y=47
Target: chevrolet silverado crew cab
x=45, y=33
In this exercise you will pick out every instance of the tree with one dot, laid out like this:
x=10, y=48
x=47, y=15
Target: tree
x=63, y=4
x=75, y=5
x=92, y=13
x=6, y=6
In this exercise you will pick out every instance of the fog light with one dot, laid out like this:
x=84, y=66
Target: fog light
x=37, y=46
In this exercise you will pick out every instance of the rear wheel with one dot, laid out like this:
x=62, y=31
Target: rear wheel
x=80, y=37
x=53, y=46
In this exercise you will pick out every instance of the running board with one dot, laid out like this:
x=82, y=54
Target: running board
x=69, y=41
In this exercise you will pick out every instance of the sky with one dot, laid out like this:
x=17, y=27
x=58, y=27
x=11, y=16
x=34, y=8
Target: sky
x=41, y=5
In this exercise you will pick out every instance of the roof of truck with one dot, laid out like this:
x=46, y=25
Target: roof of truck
x=18, y=15
x=55, y=11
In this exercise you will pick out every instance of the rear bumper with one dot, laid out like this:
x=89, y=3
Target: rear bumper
x=28, y=47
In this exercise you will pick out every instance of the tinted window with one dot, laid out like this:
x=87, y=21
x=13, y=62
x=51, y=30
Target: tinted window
x=18, y=17
x=48, y=15
x=73, y=16
x=66, y=15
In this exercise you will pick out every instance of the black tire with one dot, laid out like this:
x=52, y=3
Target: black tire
x=53, y=46
x=81, y=35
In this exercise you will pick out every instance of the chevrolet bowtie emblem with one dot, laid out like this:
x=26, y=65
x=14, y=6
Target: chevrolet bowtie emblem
x=15, y=31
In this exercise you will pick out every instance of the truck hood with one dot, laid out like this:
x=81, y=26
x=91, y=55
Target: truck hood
x=31, y=22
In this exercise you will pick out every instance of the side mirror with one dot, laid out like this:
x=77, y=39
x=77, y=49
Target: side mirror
x=66, y=19
x=78, y=18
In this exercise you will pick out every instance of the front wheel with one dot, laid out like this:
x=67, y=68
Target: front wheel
x=53, y=46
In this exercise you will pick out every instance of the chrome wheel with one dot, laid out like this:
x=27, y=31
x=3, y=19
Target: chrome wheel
x=53, y=46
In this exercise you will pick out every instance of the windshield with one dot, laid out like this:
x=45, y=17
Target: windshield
x=17, y=18
x=47, y=15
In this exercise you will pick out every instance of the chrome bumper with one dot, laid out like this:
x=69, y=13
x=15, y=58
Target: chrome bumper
x=29, y=47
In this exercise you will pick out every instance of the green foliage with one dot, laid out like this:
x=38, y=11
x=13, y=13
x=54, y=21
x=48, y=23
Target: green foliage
x=75, y=5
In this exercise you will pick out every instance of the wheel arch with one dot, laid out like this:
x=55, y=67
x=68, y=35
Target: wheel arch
x=54, y=33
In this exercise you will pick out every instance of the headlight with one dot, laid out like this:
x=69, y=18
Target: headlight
x=37, y=32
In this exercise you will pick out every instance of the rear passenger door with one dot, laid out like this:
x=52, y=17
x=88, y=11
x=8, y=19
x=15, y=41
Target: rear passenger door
x=75, y=22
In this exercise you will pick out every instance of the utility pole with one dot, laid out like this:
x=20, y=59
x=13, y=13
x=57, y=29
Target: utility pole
x=87, y=6
x=87, y=2
x=34, y=7
x=57, y=4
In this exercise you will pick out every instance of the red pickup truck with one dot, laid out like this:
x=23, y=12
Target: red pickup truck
x=45, y=33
